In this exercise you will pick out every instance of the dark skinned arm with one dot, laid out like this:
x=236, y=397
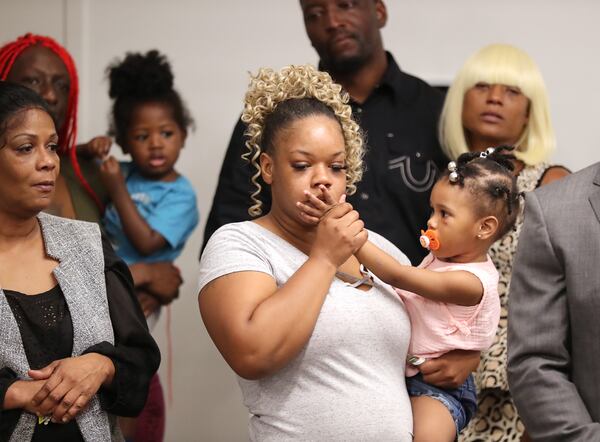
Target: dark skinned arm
x=451, y=369
x=138, y=231
x=159, y=279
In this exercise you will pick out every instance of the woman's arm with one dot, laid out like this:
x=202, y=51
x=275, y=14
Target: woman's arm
x=7, y=379
x=259, y=327
x=145, y=239
x=148, y=302
x=455, y=287
x=554, y=173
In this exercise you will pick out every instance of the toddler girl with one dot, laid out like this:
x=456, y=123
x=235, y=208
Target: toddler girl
x=452, y=297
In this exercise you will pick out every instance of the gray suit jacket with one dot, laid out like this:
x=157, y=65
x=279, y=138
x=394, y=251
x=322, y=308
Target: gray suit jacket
x=554, y=311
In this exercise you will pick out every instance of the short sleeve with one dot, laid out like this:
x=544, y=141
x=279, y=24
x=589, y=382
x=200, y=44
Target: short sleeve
x=485, y=272
x=176, y=216
x=483, y=317
x=232, y=248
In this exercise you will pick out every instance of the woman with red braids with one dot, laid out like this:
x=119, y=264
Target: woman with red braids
x=43, y=65
x=75, y=351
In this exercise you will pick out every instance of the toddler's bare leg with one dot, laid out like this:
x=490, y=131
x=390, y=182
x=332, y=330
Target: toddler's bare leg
x=432, y=422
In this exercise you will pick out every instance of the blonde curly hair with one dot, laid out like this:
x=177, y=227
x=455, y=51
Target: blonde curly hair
x=269, y=88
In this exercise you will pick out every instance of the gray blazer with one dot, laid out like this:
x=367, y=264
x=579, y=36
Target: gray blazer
x=554, y=311
x=77, y=246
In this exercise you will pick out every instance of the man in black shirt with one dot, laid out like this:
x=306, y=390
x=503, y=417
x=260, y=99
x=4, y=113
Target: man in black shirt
x=397, y=112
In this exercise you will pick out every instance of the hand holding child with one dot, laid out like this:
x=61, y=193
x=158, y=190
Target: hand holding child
x=148, y=303
x=164, y=281
x=450, y=370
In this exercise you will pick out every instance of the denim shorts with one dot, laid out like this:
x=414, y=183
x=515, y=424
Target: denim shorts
x=461, y=402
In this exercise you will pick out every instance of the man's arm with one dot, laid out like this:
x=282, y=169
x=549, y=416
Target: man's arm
x=232, y=197
x=539, y=359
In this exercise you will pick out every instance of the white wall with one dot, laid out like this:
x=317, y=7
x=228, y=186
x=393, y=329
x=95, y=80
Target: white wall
x=212, y=45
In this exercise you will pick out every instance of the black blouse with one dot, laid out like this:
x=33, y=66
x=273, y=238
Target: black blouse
x=46, y=329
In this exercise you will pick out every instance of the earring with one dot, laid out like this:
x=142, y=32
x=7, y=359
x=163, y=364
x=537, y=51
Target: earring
x=479, y=235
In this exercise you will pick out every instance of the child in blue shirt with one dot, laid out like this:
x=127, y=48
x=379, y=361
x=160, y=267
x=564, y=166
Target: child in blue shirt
x=153, y=208
x=167, y=207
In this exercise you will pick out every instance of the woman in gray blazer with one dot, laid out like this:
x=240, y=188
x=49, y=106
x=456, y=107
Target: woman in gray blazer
x=74, y=347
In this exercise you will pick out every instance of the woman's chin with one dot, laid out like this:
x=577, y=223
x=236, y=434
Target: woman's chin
x=308, y=225
x=44, y=205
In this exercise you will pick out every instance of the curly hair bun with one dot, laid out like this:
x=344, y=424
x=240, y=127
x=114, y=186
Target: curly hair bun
x=269, y=88
x=140, y=75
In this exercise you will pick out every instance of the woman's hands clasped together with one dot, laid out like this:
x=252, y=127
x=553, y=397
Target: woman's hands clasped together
x=62, y=389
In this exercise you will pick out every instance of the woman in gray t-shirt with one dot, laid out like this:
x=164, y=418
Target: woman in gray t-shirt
x=319, y=343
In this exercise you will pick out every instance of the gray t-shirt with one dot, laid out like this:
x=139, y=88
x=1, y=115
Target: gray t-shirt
x=347, y=384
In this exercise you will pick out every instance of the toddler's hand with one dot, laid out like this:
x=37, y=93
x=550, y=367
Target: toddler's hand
x=98, y=146
x=314, y=208
x=112, y=178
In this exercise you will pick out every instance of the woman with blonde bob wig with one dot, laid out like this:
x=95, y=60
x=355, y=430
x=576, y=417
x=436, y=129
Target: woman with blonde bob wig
x=499, y=98
x=319, y=344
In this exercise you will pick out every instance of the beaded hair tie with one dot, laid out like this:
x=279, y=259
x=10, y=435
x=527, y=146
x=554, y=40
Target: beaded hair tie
x=454, y=175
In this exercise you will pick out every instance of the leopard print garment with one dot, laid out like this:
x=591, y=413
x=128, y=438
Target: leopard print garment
x=496, y=419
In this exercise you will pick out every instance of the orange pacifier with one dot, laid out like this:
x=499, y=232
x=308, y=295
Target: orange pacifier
x=429, y=239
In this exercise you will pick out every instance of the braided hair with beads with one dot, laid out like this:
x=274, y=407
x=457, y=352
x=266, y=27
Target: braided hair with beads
x=489, y=176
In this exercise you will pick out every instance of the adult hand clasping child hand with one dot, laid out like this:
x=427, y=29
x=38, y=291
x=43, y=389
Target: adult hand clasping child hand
x=315, y=208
